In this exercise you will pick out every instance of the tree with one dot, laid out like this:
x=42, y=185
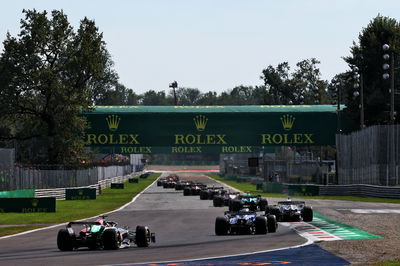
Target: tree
x=49, y=75
x=367, y=56
x=118, y=95
x=152, y=97
x=187, y=96
x=303, y=86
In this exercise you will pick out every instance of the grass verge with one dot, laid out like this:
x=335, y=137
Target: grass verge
x=70, y=210
x=250, y=188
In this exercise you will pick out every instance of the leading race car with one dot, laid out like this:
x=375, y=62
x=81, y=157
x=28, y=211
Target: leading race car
x=253, y=202
x=102, y=234
x=245, y=222
x=291, y=211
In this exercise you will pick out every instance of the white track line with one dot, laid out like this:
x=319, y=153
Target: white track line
x=309, y=242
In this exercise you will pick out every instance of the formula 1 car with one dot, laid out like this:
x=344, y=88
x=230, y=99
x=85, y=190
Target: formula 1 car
x=245, y=222
x=161, y=181
x=102, y=234
x=171, y=181
x=291, y=211
x=253, y=202
x=193, y=189
x=180, y=185
x=225, y=199
x=209, y=193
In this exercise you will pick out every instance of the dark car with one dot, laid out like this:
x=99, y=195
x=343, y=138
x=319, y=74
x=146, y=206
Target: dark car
x=171, y=181
x=102, y=234
x=225, y=199
x=180, y=185
x=245, y=222
x=210, y=192
x=194, y=189
x=291, y=211
x=253, y=202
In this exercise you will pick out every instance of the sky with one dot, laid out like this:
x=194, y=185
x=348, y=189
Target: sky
x=214, y=45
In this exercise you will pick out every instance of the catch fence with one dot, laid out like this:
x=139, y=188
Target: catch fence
x=369, y=156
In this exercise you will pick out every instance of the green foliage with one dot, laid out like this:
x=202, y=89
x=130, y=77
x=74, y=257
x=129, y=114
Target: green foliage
x=367, y=56
x=303, y=86
x=49, y=74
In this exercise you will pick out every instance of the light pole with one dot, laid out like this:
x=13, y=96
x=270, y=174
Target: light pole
x=337, y=85
x=358, y=83
x=174, y=85
x=386, y=75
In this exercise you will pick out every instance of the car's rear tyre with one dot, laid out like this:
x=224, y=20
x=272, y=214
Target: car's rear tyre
x=235, y=205
x=187, y=191
x=142, y=236
x=204, y=195
x=110, y=239
x=218, y=202
x=65, y=241
x=263, y=204
x=261, y=225
x=221, y=226
x=272, y=224
x=307, y=214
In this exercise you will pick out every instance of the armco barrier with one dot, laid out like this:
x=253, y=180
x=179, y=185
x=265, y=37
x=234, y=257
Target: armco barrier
x=59, y=193
x=360, y=190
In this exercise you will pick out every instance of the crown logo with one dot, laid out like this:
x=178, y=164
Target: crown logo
x=200, y=121
x=35, y=202
x=80, y=192
x=113, y=122
x=287, y=121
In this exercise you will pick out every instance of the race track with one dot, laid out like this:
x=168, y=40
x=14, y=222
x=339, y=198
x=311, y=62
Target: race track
x=184, y=227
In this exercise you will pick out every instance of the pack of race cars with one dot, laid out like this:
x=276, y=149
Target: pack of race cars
x=247, y=214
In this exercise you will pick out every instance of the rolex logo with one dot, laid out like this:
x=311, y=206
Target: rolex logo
x=80, y=192
x=200, y=121
x=35, y=202
x=113, y=122
x=287, y=121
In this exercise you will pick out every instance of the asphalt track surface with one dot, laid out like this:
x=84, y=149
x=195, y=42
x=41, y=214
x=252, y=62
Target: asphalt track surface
x=184, y=227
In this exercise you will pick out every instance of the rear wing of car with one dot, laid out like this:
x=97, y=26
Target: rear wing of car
x=82, y=223
x=291, y=203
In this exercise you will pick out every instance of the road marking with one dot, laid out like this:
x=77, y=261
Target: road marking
x=371, y=211
x=324, y=229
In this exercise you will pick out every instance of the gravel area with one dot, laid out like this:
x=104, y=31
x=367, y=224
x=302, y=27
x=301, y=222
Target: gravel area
x=367, y=251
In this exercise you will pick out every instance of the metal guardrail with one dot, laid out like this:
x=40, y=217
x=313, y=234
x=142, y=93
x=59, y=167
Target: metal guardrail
x=59, y=193
x=360, y=190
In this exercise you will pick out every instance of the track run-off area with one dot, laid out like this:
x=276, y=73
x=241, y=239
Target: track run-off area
x=184, y=228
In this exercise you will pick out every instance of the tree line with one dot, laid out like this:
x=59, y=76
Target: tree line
x=50, y=73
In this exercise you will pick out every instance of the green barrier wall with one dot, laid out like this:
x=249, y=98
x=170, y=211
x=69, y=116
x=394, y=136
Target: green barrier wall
x=117, y=185
x=28, y=205
x=273, y=187
x=303, y=190
x=23, y=193
x=80, y=194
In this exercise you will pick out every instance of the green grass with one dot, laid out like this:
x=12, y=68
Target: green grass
x=387, y=263
x=248, y=187
x=70, y=210
x=10, y=230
